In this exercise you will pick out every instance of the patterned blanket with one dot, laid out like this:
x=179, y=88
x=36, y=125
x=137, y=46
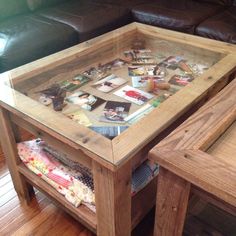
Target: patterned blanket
x=72, y=179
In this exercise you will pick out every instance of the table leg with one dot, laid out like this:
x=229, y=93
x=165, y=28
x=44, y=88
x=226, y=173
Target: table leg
x=8, y=143
x=113, y=200
x=171, y=206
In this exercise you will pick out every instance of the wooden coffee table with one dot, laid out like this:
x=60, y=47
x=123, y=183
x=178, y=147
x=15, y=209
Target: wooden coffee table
x=199, y=157
x=111, y=161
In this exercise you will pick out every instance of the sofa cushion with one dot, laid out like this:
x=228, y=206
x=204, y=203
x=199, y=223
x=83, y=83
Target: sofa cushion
x=221, y=2
x=87, y=18
x=182, y=16
x=220, y=27
x=36, y=4
x=27, y=38
x=124, y=3
x=12, y=7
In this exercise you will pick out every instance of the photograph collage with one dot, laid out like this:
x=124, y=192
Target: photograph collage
x=148, y=82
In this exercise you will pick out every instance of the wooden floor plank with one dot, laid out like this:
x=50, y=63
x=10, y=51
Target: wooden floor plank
x=5, y=179
x=194, y=226
x=21, y=214
x=53, y=225
x=6, y=188
x=7, y=197
x=3, y=168
x=9, y=206
x=28, y=227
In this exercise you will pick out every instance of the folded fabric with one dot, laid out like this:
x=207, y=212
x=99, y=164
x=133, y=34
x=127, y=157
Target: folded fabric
x=143, y=175
x=64, y=159
x=140, y=176
x=64, y=179
x=76, y=184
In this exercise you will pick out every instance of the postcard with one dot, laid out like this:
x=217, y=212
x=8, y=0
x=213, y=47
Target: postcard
x=160, y=71
x=95, y=73
x=117, y=63
x=132, y=55
x=109, y=83
x=172, y=62
x=137, y=70
x=141, y=81
x=181, y=80
x=144, y=61
x=76, y=82
x=185, y=68
x=115, y=112
x=139, y=114
x=109, y=131
x=85, y=100
x=198, y=69
x=79, y=117
x=143, y=53
x=134, y=95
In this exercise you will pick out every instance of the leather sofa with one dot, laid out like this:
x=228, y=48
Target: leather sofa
x=215, y=19
x=31, y=29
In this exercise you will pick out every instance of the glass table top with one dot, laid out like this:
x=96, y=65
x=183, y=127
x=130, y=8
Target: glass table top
x=108, y=84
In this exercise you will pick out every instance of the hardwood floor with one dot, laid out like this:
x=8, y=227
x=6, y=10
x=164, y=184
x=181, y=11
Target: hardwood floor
x=41, y=217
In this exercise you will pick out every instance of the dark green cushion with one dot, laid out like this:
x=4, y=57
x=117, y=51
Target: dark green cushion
x=12, y=7
x=36, y=4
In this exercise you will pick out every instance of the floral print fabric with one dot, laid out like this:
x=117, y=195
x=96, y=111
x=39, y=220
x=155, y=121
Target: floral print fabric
x=71, y=179
x=65, y=180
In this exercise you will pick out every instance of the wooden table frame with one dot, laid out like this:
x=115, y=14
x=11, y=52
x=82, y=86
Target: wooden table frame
x=185, y=166
x=111, y=162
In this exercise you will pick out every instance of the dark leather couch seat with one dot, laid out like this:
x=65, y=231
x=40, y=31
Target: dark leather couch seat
x=42, y=27
x=124, y=3
x=88, y=18
x=220, y=27
x=26, y=38
x=181, y=15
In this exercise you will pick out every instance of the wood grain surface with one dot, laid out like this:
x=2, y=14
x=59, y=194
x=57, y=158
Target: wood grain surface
x=211, y=174
x=111, y=161
x=173, y=194
x=14, y=215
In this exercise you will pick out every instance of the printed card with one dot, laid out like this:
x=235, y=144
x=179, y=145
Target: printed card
x=132, y=55
x=109, y=83
x=133, y=95
x=141, y=70
x=141, y=81
x=85, y=100
x=139, y=114
x=140, y=56
x=115, y=64
x=109, y=131
x=76, y=82
x=79, y=117
x=171, y=62
x=181, y=80
x=198, y=69
x=115, y=112
x=95, y=73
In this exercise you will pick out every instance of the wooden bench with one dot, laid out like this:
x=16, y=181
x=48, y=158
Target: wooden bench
x=198, y=157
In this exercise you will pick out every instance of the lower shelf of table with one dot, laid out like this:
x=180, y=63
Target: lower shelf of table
x=142, y=202
x=81, y=213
